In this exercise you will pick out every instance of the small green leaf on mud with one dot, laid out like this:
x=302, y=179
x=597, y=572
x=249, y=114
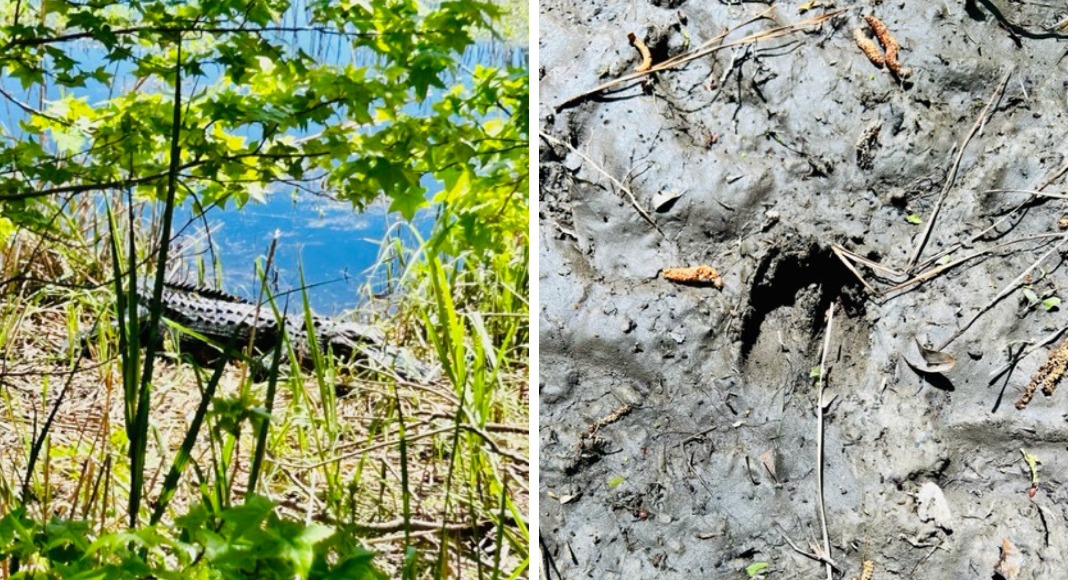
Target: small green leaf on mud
x=756, y=568
x=815, y=372
x=1051, y=303
x=615, y=481
x=914, y=218
x=1030, y=295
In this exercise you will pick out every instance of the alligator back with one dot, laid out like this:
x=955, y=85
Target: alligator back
x=219, y=315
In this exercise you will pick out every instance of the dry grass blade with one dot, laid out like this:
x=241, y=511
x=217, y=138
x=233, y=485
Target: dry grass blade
x=846, y=260
x=618, y=183
x=1008, y=289
x=708, y=48
x=1041, y=343
x=933, y=272
x=976, y=237
x=1033, y=192
x=951, y=179
x=819, y=441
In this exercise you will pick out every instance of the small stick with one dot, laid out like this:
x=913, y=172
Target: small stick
x=819, y=441
x=853, y=269
x=1004, y=292
x=643, y=50
x=1057, y=175
x=1033, y=192
x=1040, y=344
x=619, y=184
x=810, y=555
x=706, y=49
x=869, y=263
x=952, y=177
x=936, y=271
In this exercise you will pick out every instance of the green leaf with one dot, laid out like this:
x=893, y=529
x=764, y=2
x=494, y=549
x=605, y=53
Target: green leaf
x=1051, y=303
x=914, y=219
x=815, y=372
x=756, y=568
x=615, y=481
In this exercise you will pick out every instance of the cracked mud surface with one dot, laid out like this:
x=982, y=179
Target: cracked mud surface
x=678, y=422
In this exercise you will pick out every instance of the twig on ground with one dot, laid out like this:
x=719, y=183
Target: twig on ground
x=975, y=238
x=952, y=177
x=847, y=256
x=1008, y=289
x=819, y=441
x=707, y=48
x=618, y=183
x=822, y=559
x=1039, y=344
x=1033, y=192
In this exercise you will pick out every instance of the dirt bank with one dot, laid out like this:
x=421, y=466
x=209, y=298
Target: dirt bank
x=679, y=425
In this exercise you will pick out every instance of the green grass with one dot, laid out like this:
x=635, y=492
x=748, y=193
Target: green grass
x=132, y=463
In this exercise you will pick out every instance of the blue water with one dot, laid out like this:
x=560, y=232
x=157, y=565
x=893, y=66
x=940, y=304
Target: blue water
x=335, y=246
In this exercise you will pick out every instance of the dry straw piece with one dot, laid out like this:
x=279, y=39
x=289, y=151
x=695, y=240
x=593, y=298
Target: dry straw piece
x=697, y=274
x=889, y=45
x=1048, y=375
x=867, y=46
x=647, y=58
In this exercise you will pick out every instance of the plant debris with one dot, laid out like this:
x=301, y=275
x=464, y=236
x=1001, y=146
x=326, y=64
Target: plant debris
x=867, y=570
x=813, y=5
x=934, y=362
x=695, y=275
x=647, y=58
x=1010, y=562
x=1048, y=375
x=869, y=139
x=1032, y=464
x=868, y=47
x=890, y=46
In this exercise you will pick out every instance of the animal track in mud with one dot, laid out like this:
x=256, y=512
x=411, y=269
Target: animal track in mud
x=794, y=284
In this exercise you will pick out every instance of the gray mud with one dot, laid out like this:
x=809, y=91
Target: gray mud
x=666, y=407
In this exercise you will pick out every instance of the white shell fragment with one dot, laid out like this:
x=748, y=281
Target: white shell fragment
x=932, y=506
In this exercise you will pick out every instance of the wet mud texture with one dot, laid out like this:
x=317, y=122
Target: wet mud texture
x=678, y=422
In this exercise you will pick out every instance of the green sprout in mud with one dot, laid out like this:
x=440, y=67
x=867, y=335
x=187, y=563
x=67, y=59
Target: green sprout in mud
x=1032, y=463
x=1048, y=301
x=756, y=569
x=914, y=219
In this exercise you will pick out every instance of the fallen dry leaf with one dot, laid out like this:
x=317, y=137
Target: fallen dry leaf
x=934, y=361
x=1010, y=562
x=663, y=199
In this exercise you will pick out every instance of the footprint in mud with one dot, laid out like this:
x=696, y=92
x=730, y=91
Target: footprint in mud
x=794, y=285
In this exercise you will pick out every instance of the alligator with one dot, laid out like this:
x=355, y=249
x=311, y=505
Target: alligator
x=221, y=317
